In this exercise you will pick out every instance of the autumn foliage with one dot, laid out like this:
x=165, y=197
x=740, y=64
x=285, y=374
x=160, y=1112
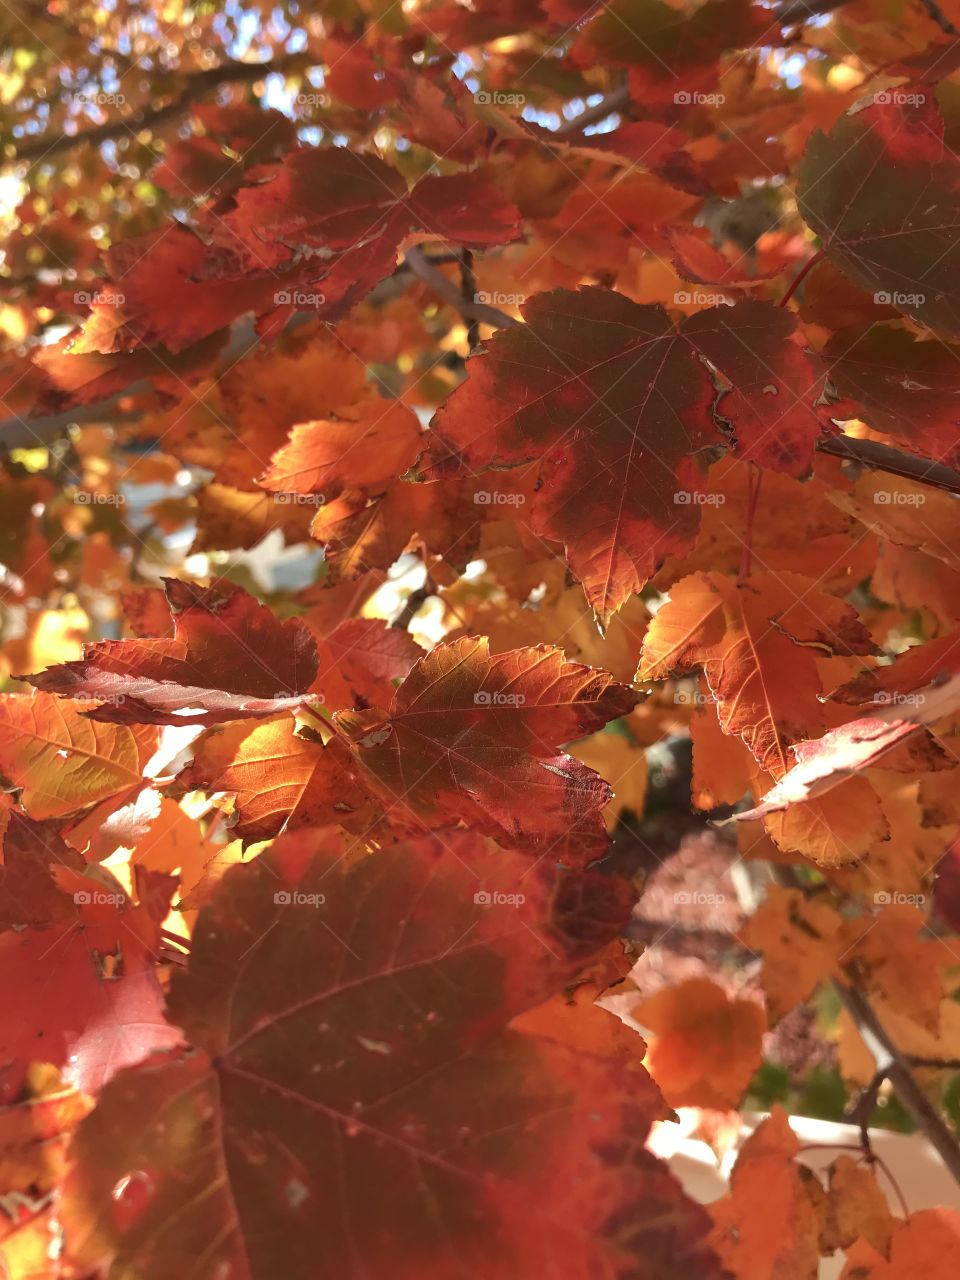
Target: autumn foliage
x=481, y=637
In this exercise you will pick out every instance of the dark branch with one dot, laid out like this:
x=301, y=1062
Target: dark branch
x=195, y=87
x=881, y=457
x=450, y=293
x=895, y=1067
x=616, y=100
x=939, y=17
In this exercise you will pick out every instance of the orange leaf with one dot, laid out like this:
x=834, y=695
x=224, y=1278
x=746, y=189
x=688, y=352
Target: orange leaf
x=706, y=1046
x=476, y=737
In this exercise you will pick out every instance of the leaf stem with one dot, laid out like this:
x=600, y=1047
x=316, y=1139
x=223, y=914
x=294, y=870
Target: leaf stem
x=801, y=276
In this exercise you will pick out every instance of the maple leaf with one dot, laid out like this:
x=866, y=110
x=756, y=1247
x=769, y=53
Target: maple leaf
x=29, y=890
x=800, y=940
x=241, y=519
x=82, y=993
x=473, y=737
x=229, y=659
x=173, y=288
x=824, y=763
x=360, y=661
x=927, y=1243
x=696, y=259
x=904, y=681
x=706, y=1047
x=659, y=148
x=858, y=188
x=502, y=1145
x=901, y=385
x=594, y=386
x=856, y=1208
x=352, y=452
x=616, y=402
x=618, y=759
x=62, y=760
x=280, y=778
x=769, y=1223
x=361, y=535
x=835, y=828
x=209, y=164
x=891, y=957
x=74, y=379
x=339, y=199
x=357, y=77
x=756, y=643
x=766, y=382
x=170, y=289
x=671, y=52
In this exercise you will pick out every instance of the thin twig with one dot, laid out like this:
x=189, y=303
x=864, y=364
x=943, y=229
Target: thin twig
x=939, y=17
x=176, y=938
x=413, y=604
x=881, y=457
x=891, y=1064
x=861, y=1112
x=197, y=85
x=895, y=1067
x=468, y=292
x=616, y=100
x=801, y=275
x=448, y=291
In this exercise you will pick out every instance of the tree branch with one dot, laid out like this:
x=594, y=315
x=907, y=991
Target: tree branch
x=939, y=17
x=451, y=294
x=616, y=100
x=468, y=291
x=891, y=1064
x=881, y=457
x=196, y=85
x=895, y=1067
